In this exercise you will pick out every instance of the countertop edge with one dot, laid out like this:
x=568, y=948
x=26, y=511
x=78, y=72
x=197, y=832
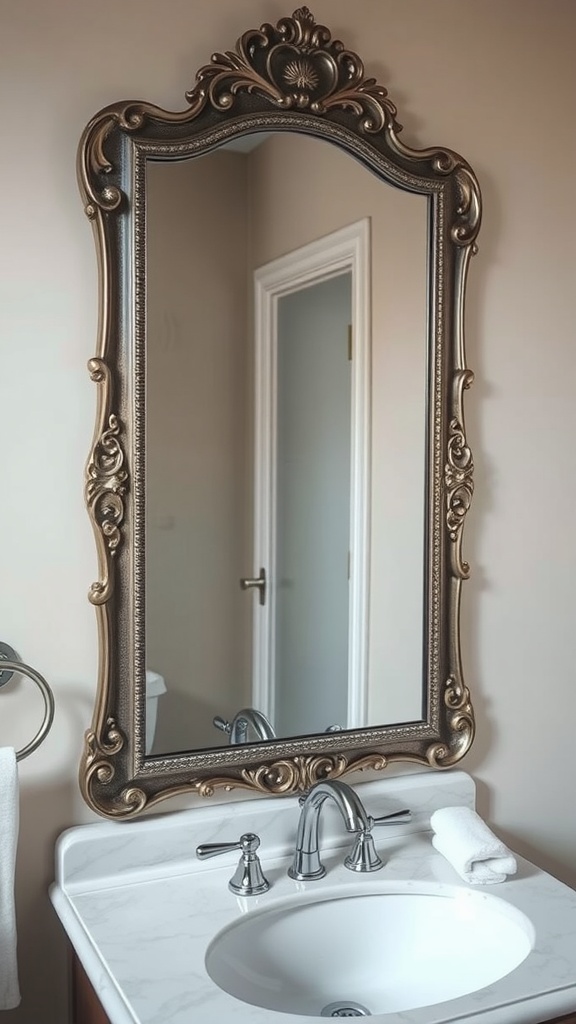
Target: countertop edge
x=112, y=1002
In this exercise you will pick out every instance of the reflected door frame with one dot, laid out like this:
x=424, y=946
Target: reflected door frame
x=345, y=250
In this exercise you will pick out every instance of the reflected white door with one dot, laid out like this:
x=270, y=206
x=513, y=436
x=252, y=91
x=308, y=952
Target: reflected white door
x=312, y=507
x=311, y=484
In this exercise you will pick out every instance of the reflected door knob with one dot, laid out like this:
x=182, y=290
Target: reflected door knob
x=259, y=582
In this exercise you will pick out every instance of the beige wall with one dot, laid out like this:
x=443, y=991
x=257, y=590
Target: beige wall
x=199, y=542
x=488, y=78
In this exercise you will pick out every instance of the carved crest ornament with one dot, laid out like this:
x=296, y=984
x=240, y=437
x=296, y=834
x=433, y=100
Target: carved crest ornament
x=291, y=76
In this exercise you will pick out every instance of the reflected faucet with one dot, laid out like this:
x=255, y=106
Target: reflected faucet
x=307, y=865
x=243, y=720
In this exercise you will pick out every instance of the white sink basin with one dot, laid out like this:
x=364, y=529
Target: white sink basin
x=385, y=951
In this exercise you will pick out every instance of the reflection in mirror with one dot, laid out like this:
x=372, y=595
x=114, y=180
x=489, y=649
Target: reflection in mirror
x=214, y=223
x=309, y=685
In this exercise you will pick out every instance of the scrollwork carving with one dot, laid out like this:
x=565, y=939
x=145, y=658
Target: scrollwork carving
x=446, y=163
x=94, y=165
x=461, y=722
x=285, y=777
x=458, y=476
x=461, y=727
x=300, y=773
x=106, y=484
x=295, y=66
x=469, y=207
x=100, y=772
x=100, y=747
x=105, y=745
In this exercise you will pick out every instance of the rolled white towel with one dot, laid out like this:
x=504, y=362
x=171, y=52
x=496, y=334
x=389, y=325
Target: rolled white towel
x=473, y=850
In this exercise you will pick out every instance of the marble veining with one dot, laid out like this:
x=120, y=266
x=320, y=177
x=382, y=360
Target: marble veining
x=140, y=909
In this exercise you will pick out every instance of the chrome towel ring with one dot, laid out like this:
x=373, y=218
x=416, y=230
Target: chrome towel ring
x=9, y=664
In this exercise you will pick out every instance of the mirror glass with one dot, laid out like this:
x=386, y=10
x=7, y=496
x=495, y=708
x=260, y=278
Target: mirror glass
x=221, y=377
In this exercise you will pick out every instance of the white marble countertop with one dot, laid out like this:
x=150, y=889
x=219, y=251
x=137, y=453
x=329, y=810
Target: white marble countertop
x=140, y=909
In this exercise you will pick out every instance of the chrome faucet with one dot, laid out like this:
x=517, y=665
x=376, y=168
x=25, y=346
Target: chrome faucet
x=243, y=720
x=307, y=865
x=248, y=879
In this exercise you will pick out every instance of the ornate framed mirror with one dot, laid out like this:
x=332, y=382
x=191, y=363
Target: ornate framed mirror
x=280, y=207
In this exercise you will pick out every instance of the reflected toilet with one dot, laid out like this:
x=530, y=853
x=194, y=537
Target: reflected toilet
x=155, y=687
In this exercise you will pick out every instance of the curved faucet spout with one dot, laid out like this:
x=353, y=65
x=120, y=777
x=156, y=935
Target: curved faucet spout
x=243, y=720
x=250, y=717
x=307, y=863
x=347, y=801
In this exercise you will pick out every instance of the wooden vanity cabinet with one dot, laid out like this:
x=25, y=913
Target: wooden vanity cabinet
x=86, y=1008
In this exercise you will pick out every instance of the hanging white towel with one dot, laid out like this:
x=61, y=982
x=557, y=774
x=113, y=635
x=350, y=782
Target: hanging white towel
x=472, y=849
x=9, y=988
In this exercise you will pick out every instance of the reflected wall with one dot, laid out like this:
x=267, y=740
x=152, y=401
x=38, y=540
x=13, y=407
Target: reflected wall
x=211, y=222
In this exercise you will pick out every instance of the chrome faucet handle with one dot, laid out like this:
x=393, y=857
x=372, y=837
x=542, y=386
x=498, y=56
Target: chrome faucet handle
x=222, y=724
x=363, y=856
x=248, y=879
x=396, y=818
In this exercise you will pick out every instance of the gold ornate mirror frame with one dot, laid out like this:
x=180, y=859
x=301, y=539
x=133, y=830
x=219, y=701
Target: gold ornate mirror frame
x=289, y=78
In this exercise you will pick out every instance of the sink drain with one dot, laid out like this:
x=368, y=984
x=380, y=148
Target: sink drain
x=345, y=1010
